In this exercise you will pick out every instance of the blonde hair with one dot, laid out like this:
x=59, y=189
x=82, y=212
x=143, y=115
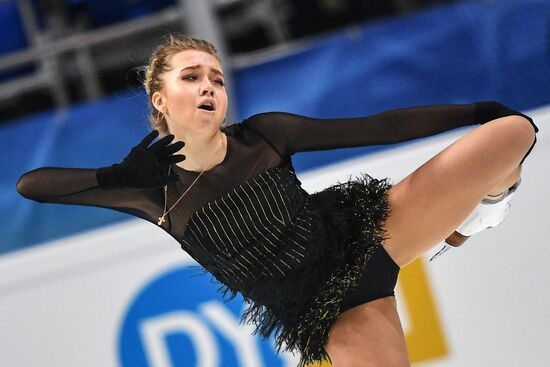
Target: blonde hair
x=159, y=64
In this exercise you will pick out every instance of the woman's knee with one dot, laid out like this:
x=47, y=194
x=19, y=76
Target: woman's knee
x=518, y=130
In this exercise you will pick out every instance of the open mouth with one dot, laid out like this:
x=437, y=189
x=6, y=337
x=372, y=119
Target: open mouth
x=207, y=107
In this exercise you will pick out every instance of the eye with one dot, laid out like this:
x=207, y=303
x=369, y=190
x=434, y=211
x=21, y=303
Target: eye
x=220, y=82
x=190, y=77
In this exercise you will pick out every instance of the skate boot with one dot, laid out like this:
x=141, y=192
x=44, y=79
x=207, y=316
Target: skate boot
x=489, y=213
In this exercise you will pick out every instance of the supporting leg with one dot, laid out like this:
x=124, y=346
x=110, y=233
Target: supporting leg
x=369, y=335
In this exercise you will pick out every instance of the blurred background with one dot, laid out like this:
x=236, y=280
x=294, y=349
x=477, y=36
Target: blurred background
x=118, y=292
x=57, y=53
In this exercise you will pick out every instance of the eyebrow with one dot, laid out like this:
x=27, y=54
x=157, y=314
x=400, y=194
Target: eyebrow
x=194, y=67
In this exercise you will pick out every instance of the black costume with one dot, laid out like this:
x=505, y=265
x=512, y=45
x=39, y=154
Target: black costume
x=298, y=259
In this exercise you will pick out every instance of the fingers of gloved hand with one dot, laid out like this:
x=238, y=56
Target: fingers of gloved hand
x=172, y=159
x=170, y=149
x=161, y=143
x=506, y=111
x=489, y=110
x=148, y=139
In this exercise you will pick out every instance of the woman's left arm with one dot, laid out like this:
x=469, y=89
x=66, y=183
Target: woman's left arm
x=290, y=133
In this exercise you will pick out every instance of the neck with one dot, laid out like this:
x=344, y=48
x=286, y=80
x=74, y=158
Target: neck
x=202, y=152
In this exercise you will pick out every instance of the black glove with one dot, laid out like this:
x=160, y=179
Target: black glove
x=145, y=167
x=490, y=110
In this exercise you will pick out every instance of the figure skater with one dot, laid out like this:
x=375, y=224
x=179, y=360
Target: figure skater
x=316, y=270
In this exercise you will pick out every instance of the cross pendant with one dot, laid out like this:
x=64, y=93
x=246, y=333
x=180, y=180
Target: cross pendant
x=161, y=220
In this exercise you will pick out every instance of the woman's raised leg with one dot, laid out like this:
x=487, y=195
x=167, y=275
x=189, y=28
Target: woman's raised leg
x=430, y=203
x=426, y=207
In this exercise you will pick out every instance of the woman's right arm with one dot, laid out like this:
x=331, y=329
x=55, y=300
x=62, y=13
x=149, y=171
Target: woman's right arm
x=123, y=186
x=60, y=185
x=78, y=186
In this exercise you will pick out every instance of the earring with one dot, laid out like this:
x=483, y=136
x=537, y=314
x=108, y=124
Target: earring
x=162, y=123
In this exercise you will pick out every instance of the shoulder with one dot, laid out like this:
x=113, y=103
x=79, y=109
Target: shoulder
x=274, y=121
x=264, y=118
x=271, y=127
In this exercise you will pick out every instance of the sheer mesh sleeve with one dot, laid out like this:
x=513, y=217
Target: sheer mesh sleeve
x=78, y=186
x=290, y=133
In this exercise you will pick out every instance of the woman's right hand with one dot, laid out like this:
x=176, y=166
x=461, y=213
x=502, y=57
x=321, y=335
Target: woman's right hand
x=491, y=110
x=145, y=167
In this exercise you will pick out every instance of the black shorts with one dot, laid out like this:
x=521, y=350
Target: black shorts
x=378, y=281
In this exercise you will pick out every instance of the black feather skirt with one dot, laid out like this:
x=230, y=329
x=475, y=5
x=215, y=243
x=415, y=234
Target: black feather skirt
x=341, y=228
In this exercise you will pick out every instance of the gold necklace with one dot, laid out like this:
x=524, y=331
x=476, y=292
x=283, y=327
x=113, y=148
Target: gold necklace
x=161, y=218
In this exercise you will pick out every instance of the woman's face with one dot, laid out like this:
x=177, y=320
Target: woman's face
x=193, y=96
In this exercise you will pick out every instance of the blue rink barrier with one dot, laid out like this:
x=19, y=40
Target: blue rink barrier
x=461, y=53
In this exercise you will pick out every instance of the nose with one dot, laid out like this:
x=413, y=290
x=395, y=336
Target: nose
x=207, y=88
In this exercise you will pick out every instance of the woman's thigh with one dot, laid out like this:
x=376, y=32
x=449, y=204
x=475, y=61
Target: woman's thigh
x=368, y=335
x=430, y=203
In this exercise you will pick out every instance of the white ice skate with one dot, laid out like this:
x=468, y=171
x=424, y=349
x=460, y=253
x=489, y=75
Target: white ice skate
x=489, y=213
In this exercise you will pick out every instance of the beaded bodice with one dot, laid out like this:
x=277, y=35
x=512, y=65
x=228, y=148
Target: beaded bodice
x=258, y=229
